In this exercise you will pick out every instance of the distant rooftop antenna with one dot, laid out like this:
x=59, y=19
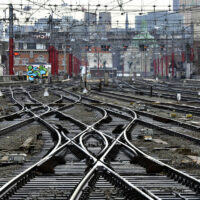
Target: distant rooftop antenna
x=169, y=7
x=141, y=13
x=127, y=23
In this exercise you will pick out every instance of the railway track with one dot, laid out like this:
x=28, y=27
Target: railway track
x=167, y=92
x=166, y=124
x=94, y=157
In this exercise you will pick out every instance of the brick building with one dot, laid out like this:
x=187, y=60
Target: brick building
x=34, y=47
x=24, y=57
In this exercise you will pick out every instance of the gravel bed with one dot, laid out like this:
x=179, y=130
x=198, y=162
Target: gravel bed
x=175, y=159
x=11, y=142
x=84, y=114
x=45, y=100
x=174, y=153
x=159, y=112
x=6, y=106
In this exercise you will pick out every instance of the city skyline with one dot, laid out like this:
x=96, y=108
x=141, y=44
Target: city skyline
x=76, y=9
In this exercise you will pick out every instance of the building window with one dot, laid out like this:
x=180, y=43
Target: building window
x=47, y=45
x=25, y=61
x=16, y=45
x=31, y=54
x=31, y=45
x=21, y=45
x=16, y=60
x=105, y=48
x=40, y=59
x=60, y=46
x=63, y=61
x=40, y=46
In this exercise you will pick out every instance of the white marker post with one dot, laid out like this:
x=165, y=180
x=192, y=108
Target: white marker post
x=178, y=97
x=46, y=93
x=1, y=94
x=85, y=91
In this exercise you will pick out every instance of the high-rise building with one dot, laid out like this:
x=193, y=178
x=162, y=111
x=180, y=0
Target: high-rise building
x=190, y=11
x=104, y=21
x=184, y=4
x=176, y=5
x=159, y=21
x=90, y=18
x=90, y=22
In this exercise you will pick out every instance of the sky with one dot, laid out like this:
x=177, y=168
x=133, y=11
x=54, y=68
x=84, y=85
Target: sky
x=76, y=8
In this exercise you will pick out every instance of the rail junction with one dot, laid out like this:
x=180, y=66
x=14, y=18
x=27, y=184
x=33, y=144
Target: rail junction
x=129, y=140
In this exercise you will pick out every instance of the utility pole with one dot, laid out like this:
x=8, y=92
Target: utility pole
x=166, y=58
x=51, y=47
x=183, y=46
x=173, y=61
x=192, y=45
x=11, y=43
x=53, y=53
x=154, y=56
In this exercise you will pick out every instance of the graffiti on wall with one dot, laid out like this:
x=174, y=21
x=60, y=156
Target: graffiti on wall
x=36, y=72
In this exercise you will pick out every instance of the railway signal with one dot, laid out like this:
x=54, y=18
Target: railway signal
x=143, y=47
x=16, y=54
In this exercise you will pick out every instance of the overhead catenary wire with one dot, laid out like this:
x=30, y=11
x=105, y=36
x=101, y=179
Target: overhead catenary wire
x=47, y=6
x=43, y=7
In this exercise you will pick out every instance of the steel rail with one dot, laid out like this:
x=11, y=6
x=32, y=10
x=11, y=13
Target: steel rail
x=12, y=183
x=18, y=105
x=167, y=106
x=85, y=179
x=179, y=175
x=166, y=95
x=174, y=173
x=104, y=140
x=99, y=163
x=179, y=123
x=28, y=172
x=83, y=183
